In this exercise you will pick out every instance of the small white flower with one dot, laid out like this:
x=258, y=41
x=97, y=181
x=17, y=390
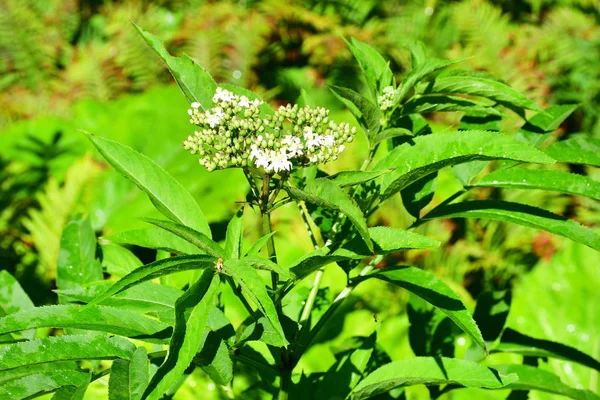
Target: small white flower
x=244, y=102
x=256, y=152
x=195, y=105
x=341, y=148
x=257, y=102
x=215, y=118
x=223, y=95
x=328, y=141
x=190, y=112
x=280, y=162
x=292, y=145
x=262, y=161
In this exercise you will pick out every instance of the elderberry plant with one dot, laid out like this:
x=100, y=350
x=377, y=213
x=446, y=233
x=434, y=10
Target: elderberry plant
x=155, y=335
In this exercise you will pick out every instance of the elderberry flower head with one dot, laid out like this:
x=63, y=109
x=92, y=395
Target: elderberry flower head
x=234, y=133
x=386, y=100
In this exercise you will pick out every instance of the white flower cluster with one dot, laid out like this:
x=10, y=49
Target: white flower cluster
x=233, y=133
x=386, y=100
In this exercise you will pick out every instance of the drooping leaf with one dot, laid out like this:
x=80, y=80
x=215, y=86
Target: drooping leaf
x=432, y=103
x=431, y=289
x=118, y=260
x=37, y=384
x=77, y=265
x=351, y=178
x=480, y=86
x=233, y=237
x=515, y=342
x=430, y=371
x=155, y=270
x=578, y=149
x=366, y=113
x=432, y=152
x=417, y=74
x=192, y=311
x=556, y=181
x=195, y=83
x=192, y=236
x=253, y=287
x=142, y=298
x=13, y=299
x=154, y=238
x=519, y=214
x=129, y=378
x=532, y=378
x=64, y=348
x=98, y=318
x=327, y=194
x=168, y=195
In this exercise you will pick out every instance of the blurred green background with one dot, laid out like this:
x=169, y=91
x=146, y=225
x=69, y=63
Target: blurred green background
x=70, y=65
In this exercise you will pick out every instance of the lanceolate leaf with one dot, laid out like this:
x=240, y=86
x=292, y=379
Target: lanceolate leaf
x=233, y=238
x=154, y=238
x=72, y=392
x=13, y=298
x=142, y=298
x=367, y=113
x=428, y=103
x=377, y=71
x=431, y=289
x=351, y=178
x=580, y=149
x=429, y=371
x=483, y=87
x=64, y=348
x=259, y=244
x=327, y=194
x=267, y=265
x=519, y=214
x=253, y=287
x=195, y=83
x=167, y=195
x=556, y=181
x=515, y=342
x=192, y=311
x=37, y=384
x=129, y=378
x=98, y=318
x=433, y=152
x=118, y=260
x=389, y=240
x=198, y=239
x=77, y=265
x=391, y=133
x=532, y=378
x=312, y=261
x=16, y=373
x=421, y=71
x=157, y=269
x=537, y=128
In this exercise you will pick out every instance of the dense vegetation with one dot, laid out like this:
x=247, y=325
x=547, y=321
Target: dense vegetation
x=469, y=189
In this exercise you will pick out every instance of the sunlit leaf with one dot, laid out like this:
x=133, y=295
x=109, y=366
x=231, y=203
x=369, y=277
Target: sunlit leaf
x=154, y=238
x=129, y=378
x=578, y=149
x=37, y=384
x=13, y=299
x=233, y=237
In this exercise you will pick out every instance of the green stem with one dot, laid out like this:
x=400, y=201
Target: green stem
x=284, y=386
x=266, y=226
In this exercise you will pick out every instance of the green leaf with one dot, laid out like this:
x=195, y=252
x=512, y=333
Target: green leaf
x=377, y=71
x=430, y=332
x=532, y=378
x=64, y=348
x=154, y=238
x=429, y=371
x=259, y=244
x=214, y=359
x=436, y=103
x=262, y=331
x=484, y=87
x=418, y=53
x=314, y=260
x=118, y=260
x=519, y=214
x=556, y=181
x=391, y=133
x=97, y=318
x=129, y=378
x=16, y=373
x=253, y=287
x=431, y=289
x=538, y=128
x=234, y=235
x=72, y=392
x=578, y=149
x=433, y=152
x=195, y=83
x=515, y=342
x=192, y=236
x=351, y=178
x=390, y=240
x=77, y=265
x=13, y=299
x=326, y=194
x=168, y=196
x=366, y=113
x=142, y=298
x=155, y=270
x=192, y=311
x=37, y=384
x=266, y=265
x=491, y=312
x=418, y=194
x=417, y=74
x=305, y=99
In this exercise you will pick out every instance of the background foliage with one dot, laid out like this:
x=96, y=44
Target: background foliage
x=70, y=65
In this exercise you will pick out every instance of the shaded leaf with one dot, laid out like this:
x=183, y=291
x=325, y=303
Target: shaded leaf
x=436, y=103
x=154, y=238
x=491, y=313
x=118, y=260
x=418, y=194
x=38, y=384
x=431, y=289
x=168, y=195
x=366, y=113
x=351, y=178
x=429, y=371
x=417, y=74
x=392, y=133
x=214, y=359
x=129, y=378
x=521, y=214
